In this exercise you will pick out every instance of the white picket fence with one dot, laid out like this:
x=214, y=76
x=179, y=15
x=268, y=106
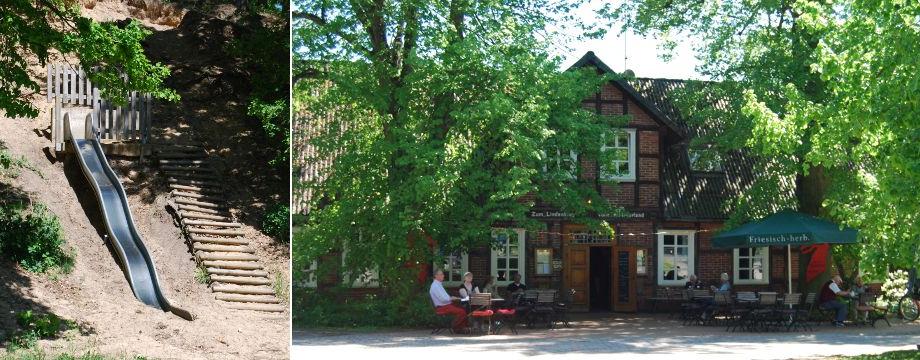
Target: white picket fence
x=68, y=86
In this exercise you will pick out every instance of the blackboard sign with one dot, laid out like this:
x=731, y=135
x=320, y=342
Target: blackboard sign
x=623, y=276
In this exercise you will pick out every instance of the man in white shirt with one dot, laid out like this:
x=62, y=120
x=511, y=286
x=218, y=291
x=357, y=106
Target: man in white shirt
x=443, y=303
x=828, y=299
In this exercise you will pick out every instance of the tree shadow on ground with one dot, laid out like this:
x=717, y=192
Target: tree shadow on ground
x=612, y=335
x=15, y=282
x=214, y=87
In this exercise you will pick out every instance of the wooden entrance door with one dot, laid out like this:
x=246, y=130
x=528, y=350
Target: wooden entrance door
x=576, y=265
x=624, y=279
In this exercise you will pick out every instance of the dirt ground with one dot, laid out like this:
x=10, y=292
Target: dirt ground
x=96, y=294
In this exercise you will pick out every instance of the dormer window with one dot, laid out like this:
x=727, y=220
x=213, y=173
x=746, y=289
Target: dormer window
x=705, y=160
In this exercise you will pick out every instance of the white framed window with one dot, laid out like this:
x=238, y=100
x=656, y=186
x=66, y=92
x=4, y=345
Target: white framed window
x=705, y=160
x=675, y=256
x=752, y=265
x=311, y=276
x=556, y=160
x=454, y=266
x=507, y=255
x=619, y=148
x=364, y=278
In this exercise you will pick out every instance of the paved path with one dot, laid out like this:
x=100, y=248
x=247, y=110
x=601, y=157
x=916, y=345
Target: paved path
x=630, y=337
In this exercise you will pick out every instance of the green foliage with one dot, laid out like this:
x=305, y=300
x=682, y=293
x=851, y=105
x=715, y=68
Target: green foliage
x=35, y=29
x=280, y=287
x=276, y=222
x=36, y=326
x=32, y=237
x=440, y=127
x=264, y=50
x=824, y=94
x=201, y=275
x=370, y=311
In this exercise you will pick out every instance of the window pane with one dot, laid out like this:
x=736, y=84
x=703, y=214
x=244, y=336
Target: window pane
x=501, y=276
x=681, y=239
x=744, y=251
x=669, y=239
x=502, y=263
x=513, y=272
x=513, y=250
x=514, y=263
x=758, y=274
x=682, y=251
x=744, y=274
x=623, y=168
x=623, y=139
x=744, y=263
x=621, y=154
x=669, y=251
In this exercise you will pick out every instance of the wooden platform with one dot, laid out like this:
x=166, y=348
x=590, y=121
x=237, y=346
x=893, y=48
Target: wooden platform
x=235, y=272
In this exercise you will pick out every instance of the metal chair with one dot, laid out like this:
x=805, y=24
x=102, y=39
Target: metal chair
x=441, y=322
x=481, y=306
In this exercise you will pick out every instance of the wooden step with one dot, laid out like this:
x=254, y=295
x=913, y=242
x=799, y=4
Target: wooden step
x=222, y=248
x=221, y=213
x=256, y=307
x=237, y=272
x=183, y=162
x=196, y=189
x=243, y=265
x=185, y=169
x=211, y=223
x=194, y=215
x=189, y=176
x=193, y=182
x=241, y=280
x=221, y=241
x=226, y=256
x=244, y=298
x=178, y=155
x=195, y=196
x=203, y=204
x=219, y=232
x=237, y=289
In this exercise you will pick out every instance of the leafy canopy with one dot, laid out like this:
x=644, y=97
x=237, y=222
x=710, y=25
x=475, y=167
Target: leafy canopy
x=443, y=119
x=825, y=92
x=35, y=29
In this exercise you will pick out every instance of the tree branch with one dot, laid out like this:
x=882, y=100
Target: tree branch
x=321, y=21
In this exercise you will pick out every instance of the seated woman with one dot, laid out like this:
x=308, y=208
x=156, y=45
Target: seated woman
x=467, y=289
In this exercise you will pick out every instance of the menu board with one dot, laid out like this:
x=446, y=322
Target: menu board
x=623, y=276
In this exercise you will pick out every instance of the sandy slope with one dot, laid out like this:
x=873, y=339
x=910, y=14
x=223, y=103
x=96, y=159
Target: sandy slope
x=96, y=293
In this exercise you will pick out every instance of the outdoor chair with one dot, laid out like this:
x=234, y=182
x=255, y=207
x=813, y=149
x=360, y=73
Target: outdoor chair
x=742, y=311
x=790, y=312
x=441, y=321
x=481, y=305
x=875, y=312
x=806, y=310
x=723, y=308
x=691, y=308
x=817, y=314
x=763, y=316
x=508, y=315
x=674, y=297
x=562, y=307
x=661, y=296
x=544, y=308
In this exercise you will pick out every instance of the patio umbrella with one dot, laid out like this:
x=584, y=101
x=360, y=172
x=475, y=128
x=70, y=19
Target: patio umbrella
x=785, y=228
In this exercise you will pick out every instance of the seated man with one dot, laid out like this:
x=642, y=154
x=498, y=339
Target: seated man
x=828, y=299
x=444, y=303
x=516, y=285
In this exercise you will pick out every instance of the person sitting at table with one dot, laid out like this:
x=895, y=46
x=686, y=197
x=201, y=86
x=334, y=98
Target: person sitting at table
x=827, y=299
x=693, y=283
x=489, y=286
x=516, y=285
x=725, y=286
x=467, y=290
x=443, y=303
x=856, y=291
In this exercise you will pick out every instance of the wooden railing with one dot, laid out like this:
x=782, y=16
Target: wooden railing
x=69, y=87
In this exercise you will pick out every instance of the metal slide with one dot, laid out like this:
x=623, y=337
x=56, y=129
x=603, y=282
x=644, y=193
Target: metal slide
x=119, y=223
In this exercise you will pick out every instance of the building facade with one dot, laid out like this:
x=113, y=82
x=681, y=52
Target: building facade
x=674, y=197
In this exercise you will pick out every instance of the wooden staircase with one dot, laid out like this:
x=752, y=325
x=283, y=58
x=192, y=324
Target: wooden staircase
x=237, y=277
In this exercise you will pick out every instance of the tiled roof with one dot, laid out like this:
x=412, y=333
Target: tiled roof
x=690, y=194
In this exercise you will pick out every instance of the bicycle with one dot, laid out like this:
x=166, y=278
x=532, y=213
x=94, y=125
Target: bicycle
x=909, y=304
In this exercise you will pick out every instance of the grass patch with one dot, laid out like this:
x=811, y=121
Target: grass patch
x=34, y=326
x=891, y=355
x=201, y=275
x=32, y=237
x=280, y=287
